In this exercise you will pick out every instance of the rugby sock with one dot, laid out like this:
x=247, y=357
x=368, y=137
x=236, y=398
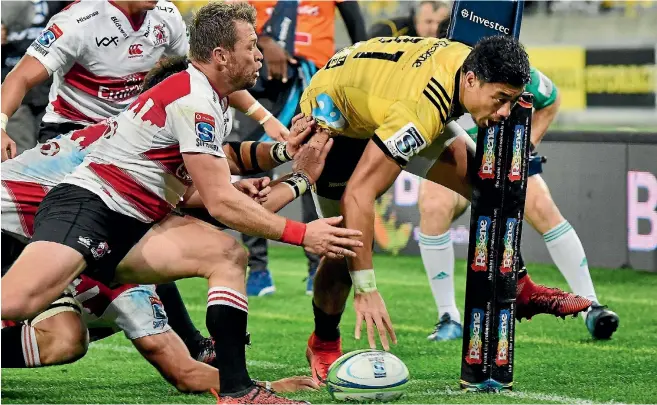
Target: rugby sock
x=179, y=318
x=438, y=258
x=327, y=327
x=19, y=347
x=568, y=254
x=226, y=319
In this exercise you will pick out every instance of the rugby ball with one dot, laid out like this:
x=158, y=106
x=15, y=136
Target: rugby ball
x=366, y=375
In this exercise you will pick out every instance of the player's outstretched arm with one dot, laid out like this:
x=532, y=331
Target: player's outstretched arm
x=247, y=104
x=211, y=176
x=372, y=177
x=257, y=157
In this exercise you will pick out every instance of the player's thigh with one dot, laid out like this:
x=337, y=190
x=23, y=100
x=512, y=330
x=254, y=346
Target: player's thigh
x=452, y=166
x=179, y=247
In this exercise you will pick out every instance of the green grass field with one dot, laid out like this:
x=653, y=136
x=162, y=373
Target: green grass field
x=556, y=360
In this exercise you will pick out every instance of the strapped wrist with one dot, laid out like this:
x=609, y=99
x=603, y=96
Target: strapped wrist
x=293, y=233
x=278, y=153
x=254, y=107
x=299, y=183
x=3, y=121
x=363, y=281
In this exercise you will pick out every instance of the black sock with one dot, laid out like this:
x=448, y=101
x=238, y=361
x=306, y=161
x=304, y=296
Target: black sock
x=179, y=318
x=12, y=347
x=327, y=327
x=522, y=270
x=227, y=325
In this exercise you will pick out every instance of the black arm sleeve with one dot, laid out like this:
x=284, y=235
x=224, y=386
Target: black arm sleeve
x=353, y=19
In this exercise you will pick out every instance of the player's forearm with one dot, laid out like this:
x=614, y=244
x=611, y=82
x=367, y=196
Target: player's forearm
x=241, y=155
x=279, y=196
x=358, y=209
x=247, y=104
x=241, y=213
x=541, y=120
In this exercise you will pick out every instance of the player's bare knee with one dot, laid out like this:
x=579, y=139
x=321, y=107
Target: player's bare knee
x=543, y=212
x=62, y=339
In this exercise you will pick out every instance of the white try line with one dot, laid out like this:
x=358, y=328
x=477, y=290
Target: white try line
x=270, y=365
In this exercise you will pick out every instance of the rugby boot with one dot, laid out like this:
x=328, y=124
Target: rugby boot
x=533, y=299
x=320, y=355
x=446, y=329
x=206, y=353
x=601, y=322
x=255, y=394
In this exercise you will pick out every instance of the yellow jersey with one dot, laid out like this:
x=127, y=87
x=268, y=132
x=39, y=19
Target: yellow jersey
x=399, y=91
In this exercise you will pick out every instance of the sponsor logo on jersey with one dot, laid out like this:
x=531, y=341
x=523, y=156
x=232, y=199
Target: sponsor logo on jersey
x=502, y=356
x=159, y=315
x=50, y=35
x=516, y=160
x=205, y=129
x=107, y=41
x=86, y=17
x=160, y=34
x=50, y=148
x=509, y=238
x=480, y=260
x=427, y=54
x=327, y=113
x=135, y=51
x=400, y=40
x=475, y=347
x=118, y=26
x=487, y=169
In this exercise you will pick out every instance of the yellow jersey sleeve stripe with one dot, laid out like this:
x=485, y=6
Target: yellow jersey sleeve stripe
x=438, y=97
x=442, y=90
x=435, y=103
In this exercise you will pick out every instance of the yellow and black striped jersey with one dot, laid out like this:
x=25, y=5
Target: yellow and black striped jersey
x=400, y=91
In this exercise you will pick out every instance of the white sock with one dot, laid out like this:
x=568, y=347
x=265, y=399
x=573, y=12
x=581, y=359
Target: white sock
x=438, y=258
x=30, y=347
x=568, y=254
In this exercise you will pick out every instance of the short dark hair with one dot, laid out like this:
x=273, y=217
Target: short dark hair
x=165, y=68
x=499, y=59
x=443, y=27
x=213, y=25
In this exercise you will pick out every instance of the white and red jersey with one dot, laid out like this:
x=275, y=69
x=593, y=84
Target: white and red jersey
x=138, y=169
x=99, y=57
x=27, y=178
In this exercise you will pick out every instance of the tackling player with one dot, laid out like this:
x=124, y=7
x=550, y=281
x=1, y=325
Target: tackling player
x=116, y=196
x=439, y=206
x=396, y=119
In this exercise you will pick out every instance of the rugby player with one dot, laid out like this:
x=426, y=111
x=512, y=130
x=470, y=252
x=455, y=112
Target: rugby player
x=439, y=206
x=397, y=119
x=98, y=53
x=113, y=204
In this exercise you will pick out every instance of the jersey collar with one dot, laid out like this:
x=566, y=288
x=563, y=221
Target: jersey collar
x=456, y=110
x=136, y=24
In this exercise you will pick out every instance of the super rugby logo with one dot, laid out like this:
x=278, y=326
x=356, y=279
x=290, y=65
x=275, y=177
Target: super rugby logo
x=378, y=367
x=516, y=160
x=160, y=317
x=509, y=238
x=480, y=261
x=408, y=140
x=502, y=356
x=50, y=35
x=205, y=130
x=487, y=169
x=475, y=352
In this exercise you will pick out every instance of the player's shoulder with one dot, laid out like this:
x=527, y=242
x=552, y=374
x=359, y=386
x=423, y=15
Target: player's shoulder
x=167, y=11
x=80, y=14
x=190, y=90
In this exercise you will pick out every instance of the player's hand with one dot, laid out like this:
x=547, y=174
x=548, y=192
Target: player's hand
x=276, y=58
x=276, y=130
x=311, y=158
x=257, y=188
x=8, y=147
x=370, y=308
x=302, y=126
x=324, y=237
x=293, y=384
